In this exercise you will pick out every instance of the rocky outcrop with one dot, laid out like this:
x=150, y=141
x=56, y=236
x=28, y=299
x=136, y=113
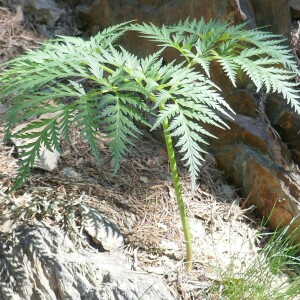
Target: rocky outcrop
x=94, y=15
x=41, y=262
x=43, y=14
x=99, y=14
x=273, y=15
x=287, y=124
x=259, y=154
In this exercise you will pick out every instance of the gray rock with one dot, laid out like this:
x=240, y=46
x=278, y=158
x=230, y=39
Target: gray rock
x=43, y=11
x=70, y=172
x=3, y=108
x=47, y=160
x=295, y=4
x=100, y=228
x=41, y=262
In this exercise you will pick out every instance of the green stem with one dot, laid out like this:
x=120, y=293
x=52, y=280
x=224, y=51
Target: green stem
x=178, y=191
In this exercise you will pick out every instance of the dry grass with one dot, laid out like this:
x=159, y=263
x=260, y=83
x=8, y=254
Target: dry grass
x=14, y=38
x=141, y=200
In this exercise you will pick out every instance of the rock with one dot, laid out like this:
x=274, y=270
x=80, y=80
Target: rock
x=100, y=228
x=3, y=108
x=243, y=102
x=70, y=172
x=286, y=122
x=41, y=262
x=19, y=16
x=94, y=15
x=247, y=12
x=43, y=14
x=295, y=4
x=258, y=162
x=47, y=160
x=275, y=15
x=252, y=132
x=273, y=191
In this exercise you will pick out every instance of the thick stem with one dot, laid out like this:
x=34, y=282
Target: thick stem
x=178, y=190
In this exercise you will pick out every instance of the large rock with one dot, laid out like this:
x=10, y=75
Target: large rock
x=41, y=262
x=286, y=122
x=43, y=14
x=259, y=164
x=274, y=15
x=272, y=190
x=98, y=14
x=94, y=15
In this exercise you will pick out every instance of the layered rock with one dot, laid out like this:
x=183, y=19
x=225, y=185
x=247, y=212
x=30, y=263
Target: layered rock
x=41, y=262
x=260, y=160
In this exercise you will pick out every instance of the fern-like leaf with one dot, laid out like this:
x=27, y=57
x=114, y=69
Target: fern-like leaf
x=98, y=86
x=36, y=134
x=254, y=52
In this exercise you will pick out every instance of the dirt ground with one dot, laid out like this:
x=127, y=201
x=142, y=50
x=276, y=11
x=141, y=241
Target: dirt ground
x=139, y=199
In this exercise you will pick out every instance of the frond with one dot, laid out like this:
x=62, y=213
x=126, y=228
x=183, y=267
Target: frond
x=155, y=34
x=152, y=63
x=271, y=44
x=117, y=116
x=188, y=144
x=169, y=112
x=36, y=135
x=230, y=68
x=66, y=119
x=186, y=100
x=274, y=79
x=86, y=119
x=234, y=47
x=109, y=35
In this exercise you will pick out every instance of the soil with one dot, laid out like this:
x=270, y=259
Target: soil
x=139, y=199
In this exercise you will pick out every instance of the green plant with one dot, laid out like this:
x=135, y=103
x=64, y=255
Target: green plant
x=99, y=86
x=272, y=274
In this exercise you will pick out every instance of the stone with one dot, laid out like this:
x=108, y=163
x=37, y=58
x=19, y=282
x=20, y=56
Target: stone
x=273, y=191
x=3, y=108
x=251, y=132
x=275, y=15
x=286, y=122
x=70, y=172
x=46, y=160
x=41, y=262
x=295, y=4
x=243, y=102
x=95, y=15
x=100, y=228
x=43, y=14
x=259, y=163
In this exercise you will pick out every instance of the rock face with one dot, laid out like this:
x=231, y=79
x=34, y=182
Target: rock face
x=258, y=154
x=41, y=262
x=273, y=14
x=99, y=14
x=43, y=13
x=94, y=15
